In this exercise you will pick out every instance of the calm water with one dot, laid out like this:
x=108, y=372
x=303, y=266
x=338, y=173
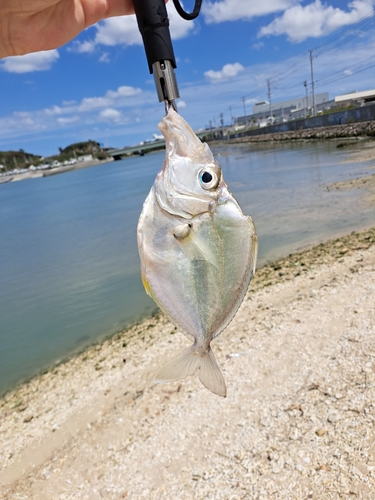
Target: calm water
x=69, y=268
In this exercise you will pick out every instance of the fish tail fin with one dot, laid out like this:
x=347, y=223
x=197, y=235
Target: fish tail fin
x=187, y=363
x=210, y=375
x=183, y=365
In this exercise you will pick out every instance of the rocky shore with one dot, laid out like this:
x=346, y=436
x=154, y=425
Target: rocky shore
x=352, y=130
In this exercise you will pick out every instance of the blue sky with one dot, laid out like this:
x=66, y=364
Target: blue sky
x=98, y=86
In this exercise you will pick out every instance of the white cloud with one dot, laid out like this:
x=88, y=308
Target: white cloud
x=181, y=104
x=90, y=103
x=233, y=10
x=104, y=57
x=118, y=31
x=37, y=61
x=24, y=118
x=228, y=71
x=124, y=30
x=83, y=47
x=67, y=121
x=179, y=28
x=53, y=110
x=110, y=114
x=123, y=91
x=315, y=20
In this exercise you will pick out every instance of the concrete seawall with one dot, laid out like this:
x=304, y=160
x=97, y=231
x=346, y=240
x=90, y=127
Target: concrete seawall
x=361, y=129
x=347, y=123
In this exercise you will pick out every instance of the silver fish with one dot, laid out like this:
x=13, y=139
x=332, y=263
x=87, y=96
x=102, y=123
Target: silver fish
x=197, y=249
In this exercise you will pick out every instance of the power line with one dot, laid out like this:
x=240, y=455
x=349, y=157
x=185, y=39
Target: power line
x=345, y=76
x=348, y=68
x=339, y=39
x=365, y=23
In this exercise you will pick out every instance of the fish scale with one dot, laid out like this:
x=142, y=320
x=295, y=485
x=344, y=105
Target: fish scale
x=197, y=249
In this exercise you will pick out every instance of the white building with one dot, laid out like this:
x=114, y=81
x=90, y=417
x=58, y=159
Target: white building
x=362, y=97
x=292, y=108
x=285, y=108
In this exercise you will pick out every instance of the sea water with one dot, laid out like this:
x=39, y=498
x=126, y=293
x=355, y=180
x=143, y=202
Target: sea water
x=69, y=267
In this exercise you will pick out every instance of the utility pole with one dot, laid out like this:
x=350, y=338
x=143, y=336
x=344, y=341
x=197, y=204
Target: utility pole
x=222, y=124
x=307, y=98
x=244, y=109
x=269, y=96
x=312, y=82
x=231, y=116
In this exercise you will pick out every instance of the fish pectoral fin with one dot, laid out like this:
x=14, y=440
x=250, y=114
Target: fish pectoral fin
x=195, y=248
x=187, y=363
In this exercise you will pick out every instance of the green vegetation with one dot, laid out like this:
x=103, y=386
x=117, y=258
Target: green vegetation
x=17, y=159
x=9, y=160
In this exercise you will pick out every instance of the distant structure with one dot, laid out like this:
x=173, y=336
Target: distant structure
x=285, y=110
x=356, y=98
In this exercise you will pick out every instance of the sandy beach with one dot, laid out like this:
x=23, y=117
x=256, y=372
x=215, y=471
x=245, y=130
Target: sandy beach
x=298, y=422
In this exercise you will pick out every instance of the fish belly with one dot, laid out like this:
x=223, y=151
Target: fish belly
x=200, y=276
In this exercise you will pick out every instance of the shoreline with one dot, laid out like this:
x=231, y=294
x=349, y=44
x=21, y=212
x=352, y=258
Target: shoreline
x=46, y=417
x=271, y=273
x=54, y=171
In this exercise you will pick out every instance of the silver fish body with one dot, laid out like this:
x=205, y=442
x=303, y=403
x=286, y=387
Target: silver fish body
x=197, y=249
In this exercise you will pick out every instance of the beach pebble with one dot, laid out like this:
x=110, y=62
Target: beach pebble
x=320, y=432
x=333, y=418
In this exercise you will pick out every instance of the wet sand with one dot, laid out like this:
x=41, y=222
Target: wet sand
x=299, y=363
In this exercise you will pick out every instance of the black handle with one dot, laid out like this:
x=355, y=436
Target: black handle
x=153, y=23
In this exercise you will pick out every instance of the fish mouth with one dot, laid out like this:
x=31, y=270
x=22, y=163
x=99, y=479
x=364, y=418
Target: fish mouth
x=181, y=140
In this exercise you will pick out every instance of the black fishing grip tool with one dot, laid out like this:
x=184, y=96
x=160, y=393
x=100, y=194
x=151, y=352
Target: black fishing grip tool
x=153, y=24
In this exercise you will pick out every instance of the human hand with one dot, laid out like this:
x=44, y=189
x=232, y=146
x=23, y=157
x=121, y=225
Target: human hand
x=34, y=25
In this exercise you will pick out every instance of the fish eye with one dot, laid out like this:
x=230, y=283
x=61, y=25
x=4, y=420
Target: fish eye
x=208, y=178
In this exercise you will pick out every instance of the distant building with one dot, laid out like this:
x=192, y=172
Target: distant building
x=85, y=158
x=356, y=97
x=286, y=110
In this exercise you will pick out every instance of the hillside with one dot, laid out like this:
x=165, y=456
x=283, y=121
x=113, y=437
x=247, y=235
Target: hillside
x=10, y=160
